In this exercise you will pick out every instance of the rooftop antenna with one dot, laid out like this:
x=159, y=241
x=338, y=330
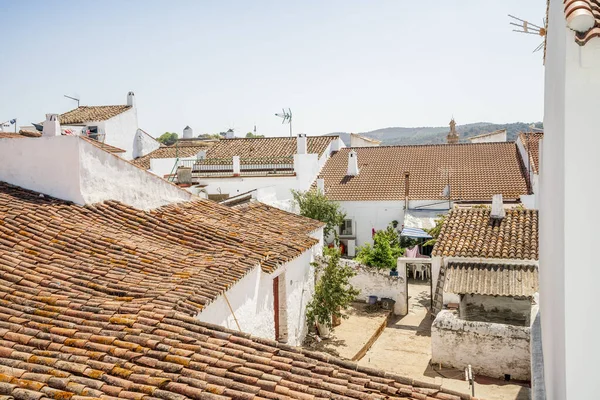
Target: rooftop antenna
x=530, y=29
x=73, y=98
x=286, y=117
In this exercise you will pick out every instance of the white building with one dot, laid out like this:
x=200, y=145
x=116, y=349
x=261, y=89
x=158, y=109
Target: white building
x=247, y=269
x=529, y=144
x=491, y=137
x=376, y=186
x=569, y=162
x=230, y=167
x=115, y=125
x=485, y=271
x=357, y=140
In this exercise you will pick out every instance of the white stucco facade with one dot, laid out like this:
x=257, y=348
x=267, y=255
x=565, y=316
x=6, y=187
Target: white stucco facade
x=492, y=137
x=369, y=215
x=493, y=350
x=69, y=168
x=143, y=144
x=252, y=299
x=567, y=221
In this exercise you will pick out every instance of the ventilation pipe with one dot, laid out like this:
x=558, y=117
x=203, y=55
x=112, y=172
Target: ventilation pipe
x=188, y=132
x=51, y=126
x=131, y=99
x=301, y=144
x=352, y=164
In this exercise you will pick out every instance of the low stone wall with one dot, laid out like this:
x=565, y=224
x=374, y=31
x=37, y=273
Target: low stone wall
x=375, y=282
x=491, y=349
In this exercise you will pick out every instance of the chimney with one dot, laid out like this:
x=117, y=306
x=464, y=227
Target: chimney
x=131, y=99
x=236, y=166
x=497, y=207
x=321, y=185
x=452, y=135
x=51, y=126
x=184, y=175
x=352, y=164
x=188, y=132
x=301, y=144
x=201, y=155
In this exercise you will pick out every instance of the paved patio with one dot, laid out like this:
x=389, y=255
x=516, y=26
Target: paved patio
x=404, y=347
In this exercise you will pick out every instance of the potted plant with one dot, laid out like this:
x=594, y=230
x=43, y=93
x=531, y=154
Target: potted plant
x=333, y=293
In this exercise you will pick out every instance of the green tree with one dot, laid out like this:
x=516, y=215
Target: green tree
x=333, y=292
x=168, y=138
x=435, y=231
x=251, y=135
x=315, y=205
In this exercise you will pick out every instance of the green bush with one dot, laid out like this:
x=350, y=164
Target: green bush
x=384, y=252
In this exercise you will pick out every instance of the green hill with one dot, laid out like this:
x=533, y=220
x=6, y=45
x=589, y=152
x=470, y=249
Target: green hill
x=437, y=135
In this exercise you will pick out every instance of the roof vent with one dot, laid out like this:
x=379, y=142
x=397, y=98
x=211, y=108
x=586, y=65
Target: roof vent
x=352, y=164
x=188, y=132
x=497, y=207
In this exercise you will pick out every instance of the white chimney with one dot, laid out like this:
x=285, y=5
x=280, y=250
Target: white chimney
x=301, y=144
x=131, y=99
x=321, y=185
x=51, y=126
x=201, y=155
x=352, y=164
x=236, y=165
x=188, y=132
x=497, y=207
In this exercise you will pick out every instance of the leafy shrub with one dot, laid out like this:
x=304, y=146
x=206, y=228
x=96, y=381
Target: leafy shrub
x=384, y=252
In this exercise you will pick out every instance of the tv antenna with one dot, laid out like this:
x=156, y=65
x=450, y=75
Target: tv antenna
x=73, y=98
x=286, y=116
x=530, y=29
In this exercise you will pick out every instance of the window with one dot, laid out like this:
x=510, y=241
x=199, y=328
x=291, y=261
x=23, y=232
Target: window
x=92, y=132
x=346, y=229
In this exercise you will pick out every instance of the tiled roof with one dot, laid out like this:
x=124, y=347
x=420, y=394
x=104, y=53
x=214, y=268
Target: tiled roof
x=28, y=133
x=267, y=147
x=104, y=146
x=10, y=135
x=472, y=233
x=531, y=141
x=83, y=114
x=183, y=254
x=492, y=280
x=487, y=134
x=477, y=172
x=591, y=8
x=97, y=302
x=170, y=152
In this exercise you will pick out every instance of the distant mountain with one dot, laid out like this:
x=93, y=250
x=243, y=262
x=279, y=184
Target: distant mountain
x=437, y=135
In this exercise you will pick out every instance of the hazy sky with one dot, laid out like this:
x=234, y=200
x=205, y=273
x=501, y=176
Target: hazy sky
x=339, y=65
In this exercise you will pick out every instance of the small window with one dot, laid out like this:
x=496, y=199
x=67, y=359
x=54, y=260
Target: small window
x=346, y=228
x=91, y=132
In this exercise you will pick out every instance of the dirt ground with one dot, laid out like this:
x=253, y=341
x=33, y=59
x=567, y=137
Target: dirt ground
x=348, y=338
x=404, y=347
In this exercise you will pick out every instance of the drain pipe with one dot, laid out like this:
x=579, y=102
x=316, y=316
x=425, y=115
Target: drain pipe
x=406, y=182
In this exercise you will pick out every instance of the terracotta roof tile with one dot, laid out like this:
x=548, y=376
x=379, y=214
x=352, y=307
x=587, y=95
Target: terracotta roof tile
x=531, y=141
x=574, y=8
x=174, y=151
x=84, y=114
x=109, y=312
x=491, y=279
x=472, y=233
x=10, y=135
x=104, y=146
x=267, y=147
x=477, y=172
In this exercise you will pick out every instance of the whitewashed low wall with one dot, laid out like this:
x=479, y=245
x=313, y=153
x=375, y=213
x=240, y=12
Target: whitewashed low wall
x=491, y=349
x=374, y=282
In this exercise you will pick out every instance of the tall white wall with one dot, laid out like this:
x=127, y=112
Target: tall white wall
x=69, y=168
x=121, y=131
x=493, y=138
x=47, y=165
x=569, y=272
x=252, y=300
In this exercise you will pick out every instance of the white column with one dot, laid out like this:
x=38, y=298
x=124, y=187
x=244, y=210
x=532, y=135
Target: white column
x=236, y=165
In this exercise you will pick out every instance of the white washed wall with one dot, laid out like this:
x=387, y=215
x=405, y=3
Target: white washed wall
x=121, y=131
x=491, y=349
x=252, y=301
x=144, y=144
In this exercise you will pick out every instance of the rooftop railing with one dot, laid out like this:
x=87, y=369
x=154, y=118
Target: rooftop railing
x=222, y=167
